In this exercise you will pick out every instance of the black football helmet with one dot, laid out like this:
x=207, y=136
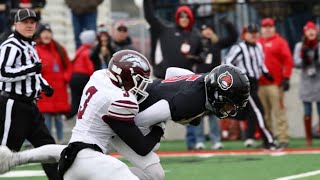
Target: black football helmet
x=227, y=90
x=131, y=71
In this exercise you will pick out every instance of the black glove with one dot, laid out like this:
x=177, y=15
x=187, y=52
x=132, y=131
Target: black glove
x=268, y=76
x=48, y=91
x=38, y=67
x=285, y=84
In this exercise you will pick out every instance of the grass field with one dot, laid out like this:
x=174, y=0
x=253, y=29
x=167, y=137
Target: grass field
x=234, y=162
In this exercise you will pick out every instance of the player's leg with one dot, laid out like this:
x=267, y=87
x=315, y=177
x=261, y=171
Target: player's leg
x=40, y=136
x=93, y=165
x=43, y=154
x=145, y=167
x=154, y=172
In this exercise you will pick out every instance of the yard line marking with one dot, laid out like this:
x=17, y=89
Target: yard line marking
x=312, y=173
x=24, y=173
x=209, y=153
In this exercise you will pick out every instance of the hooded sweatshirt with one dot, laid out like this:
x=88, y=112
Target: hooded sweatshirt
x=174, y=46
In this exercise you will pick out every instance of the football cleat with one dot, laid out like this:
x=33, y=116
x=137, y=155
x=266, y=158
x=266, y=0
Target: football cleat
x=6, y=159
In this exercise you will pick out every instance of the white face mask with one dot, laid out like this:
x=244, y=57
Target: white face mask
x=139, y=90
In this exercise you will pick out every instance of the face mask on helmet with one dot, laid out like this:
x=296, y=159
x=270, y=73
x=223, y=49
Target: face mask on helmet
x=221, y=106
x=140, y=86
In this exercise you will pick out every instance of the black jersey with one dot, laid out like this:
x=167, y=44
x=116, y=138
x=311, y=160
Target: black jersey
x=185, y=94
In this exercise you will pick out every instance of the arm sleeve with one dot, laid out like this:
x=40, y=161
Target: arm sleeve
x=152, y=19
x=10, y=73
x=233, y=55
x=158, y=112
x=133, y=137
x=174, y=71
x=120, y=118
x=296, y=55
x=287, y=58
x=231, y=38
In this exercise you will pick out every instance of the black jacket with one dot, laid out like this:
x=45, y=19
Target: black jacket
x=213, y=50
x=171, y=39
x=97, y=58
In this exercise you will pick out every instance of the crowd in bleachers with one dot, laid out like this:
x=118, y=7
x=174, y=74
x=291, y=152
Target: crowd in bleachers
x=198, y=38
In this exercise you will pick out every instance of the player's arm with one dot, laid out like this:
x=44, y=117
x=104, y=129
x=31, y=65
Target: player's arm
x=158, y=112
x=120, y=118
x=174, y=71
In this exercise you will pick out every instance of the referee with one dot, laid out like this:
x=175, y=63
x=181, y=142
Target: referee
x=248, y=56
x=21, y=84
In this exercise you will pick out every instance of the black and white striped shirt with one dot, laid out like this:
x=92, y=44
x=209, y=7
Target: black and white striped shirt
x=249, y=58
x=17, y=67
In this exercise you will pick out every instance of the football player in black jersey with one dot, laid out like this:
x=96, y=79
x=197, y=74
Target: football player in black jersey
x=183, y=98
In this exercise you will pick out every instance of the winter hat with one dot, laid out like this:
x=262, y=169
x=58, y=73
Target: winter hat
x=42, y=27
x=88, y=37
x=121, y=26
x=267, y=22
x=188, y=11
x=205, y=26
x=310, y=25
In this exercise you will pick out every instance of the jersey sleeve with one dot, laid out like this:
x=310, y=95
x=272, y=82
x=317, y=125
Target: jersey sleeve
x=174, y=71
x=123, y=110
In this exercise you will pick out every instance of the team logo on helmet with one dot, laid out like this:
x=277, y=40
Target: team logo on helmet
x=225, y=80
x=136, y=61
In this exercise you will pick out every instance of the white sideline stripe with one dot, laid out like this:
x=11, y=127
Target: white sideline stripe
x=311, y=173
x=24, y=173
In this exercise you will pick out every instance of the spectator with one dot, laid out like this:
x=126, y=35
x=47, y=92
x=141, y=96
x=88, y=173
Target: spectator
x=84, y=16
x=102, y=52
x=121, y=39
x=180, y=45
x=36, y=5
x=57, y=69
x=212, y=46
x=248, y=56
x=4, y=15
x=306, y=57
x=278, y=60
x=82, y=69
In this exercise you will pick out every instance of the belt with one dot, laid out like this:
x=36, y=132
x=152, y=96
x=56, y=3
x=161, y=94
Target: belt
x=18, y=97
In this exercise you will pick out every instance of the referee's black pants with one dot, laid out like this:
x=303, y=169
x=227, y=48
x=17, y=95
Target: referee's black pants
x=20, y=120
x=253, y=113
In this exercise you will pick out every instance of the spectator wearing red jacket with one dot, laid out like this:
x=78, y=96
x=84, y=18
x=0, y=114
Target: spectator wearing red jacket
x=83, y=68
x=278, y=59
x=56, y=69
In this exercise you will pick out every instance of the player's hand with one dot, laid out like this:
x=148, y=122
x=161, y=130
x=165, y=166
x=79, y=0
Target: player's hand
x=38, y=67
x=48, y=91
x=162, y=125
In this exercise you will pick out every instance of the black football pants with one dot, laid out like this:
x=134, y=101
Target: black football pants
x=22, y=120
